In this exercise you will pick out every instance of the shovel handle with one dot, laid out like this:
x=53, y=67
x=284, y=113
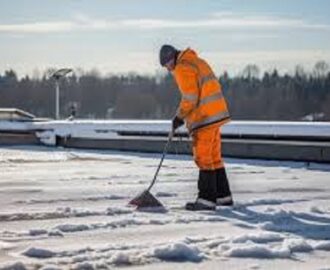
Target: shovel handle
x=169, y=139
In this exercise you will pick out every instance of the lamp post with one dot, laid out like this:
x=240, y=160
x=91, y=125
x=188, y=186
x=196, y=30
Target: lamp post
x=57, y=75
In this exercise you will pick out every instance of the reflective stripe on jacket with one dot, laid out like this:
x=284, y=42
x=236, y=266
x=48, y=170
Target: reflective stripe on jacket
x=202, y=102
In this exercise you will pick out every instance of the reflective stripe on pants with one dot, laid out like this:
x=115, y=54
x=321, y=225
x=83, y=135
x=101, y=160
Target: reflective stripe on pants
x=207, y=148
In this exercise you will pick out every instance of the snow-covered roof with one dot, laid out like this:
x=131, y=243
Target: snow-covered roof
x=14, y=114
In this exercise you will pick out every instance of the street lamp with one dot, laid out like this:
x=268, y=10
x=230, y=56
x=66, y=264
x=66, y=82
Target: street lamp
x=57, y=75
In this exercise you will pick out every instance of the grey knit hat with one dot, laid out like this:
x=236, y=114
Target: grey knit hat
x=167, y=53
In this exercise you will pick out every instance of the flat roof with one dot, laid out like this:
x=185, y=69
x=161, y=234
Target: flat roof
x=15, y=114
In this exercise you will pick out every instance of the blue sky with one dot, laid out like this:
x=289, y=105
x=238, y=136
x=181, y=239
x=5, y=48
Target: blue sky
x=119, y=36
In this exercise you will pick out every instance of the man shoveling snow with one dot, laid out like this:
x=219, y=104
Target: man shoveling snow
x=204, y=110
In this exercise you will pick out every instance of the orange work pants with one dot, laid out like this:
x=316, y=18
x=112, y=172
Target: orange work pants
x=207, y=148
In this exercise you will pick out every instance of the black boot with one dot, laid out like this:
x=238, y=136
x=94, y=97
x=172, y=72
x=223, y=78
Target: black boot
x=224, y=197
x=207, y=192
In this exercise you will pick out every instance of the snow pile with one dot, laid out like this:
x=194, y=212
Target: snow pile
x=254, y=245
x=4, y=245
x=297, y=245
x=317, y=210
x=260, y=245
x=50, y=267
x=13, y=266
x=175, y=252
x=122, y=255
x=264, y=245
x=178, y=252
x=83, y=266
x=47, y=137
x=251, y=250
x=322, y=245
x=121, y=258
x=262, y=237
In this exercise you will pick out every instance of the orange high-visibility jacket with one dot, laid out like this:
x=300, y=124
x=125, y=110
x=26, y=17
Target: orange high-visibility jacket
x=202, y=102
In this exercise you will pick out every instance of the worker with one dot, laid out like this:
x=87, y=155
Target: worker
x=204, y=110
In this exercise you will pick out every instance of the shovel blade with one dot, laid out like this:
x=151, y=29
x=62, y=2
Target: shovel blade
x=145, y=200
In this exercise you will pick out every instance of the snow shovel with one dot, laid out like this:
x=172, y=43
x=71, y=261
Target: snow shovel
x=146, y=199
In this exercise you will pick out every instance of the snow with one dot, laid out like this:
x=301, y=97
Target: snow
x=178, y=252
x=47, y=131
x=4, y=245
x=263, y=237
x=67, y=209
x=255, y=251
x=14, y=266
x=322, y=245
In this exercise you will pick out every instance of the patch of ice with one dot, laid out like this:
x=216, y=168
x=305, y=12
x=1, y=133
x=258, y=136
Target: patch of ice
x=72, y=227
x=118, y=211
x=110, y=197
x=38, y=253
x=158, y=222
x=55, y=233
x=157, y=209
x=166, y=194
x=179, y=252
x=36, y=232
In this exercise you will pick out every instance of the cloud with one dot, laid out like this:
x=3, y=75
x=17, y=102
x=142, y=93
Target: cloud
x=37, y=27
x=224, y=21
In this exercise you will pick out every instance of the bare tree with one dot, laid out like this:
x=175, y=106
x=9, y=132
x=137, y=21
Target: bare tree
x=251, y=71
x=321, y=69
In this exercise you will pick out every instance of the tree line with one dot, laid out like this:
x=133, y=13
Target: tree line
x=250, y=95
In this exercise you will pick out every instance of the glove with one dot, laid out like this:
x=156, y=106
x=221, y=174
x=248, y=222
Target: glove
x=176, y=123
